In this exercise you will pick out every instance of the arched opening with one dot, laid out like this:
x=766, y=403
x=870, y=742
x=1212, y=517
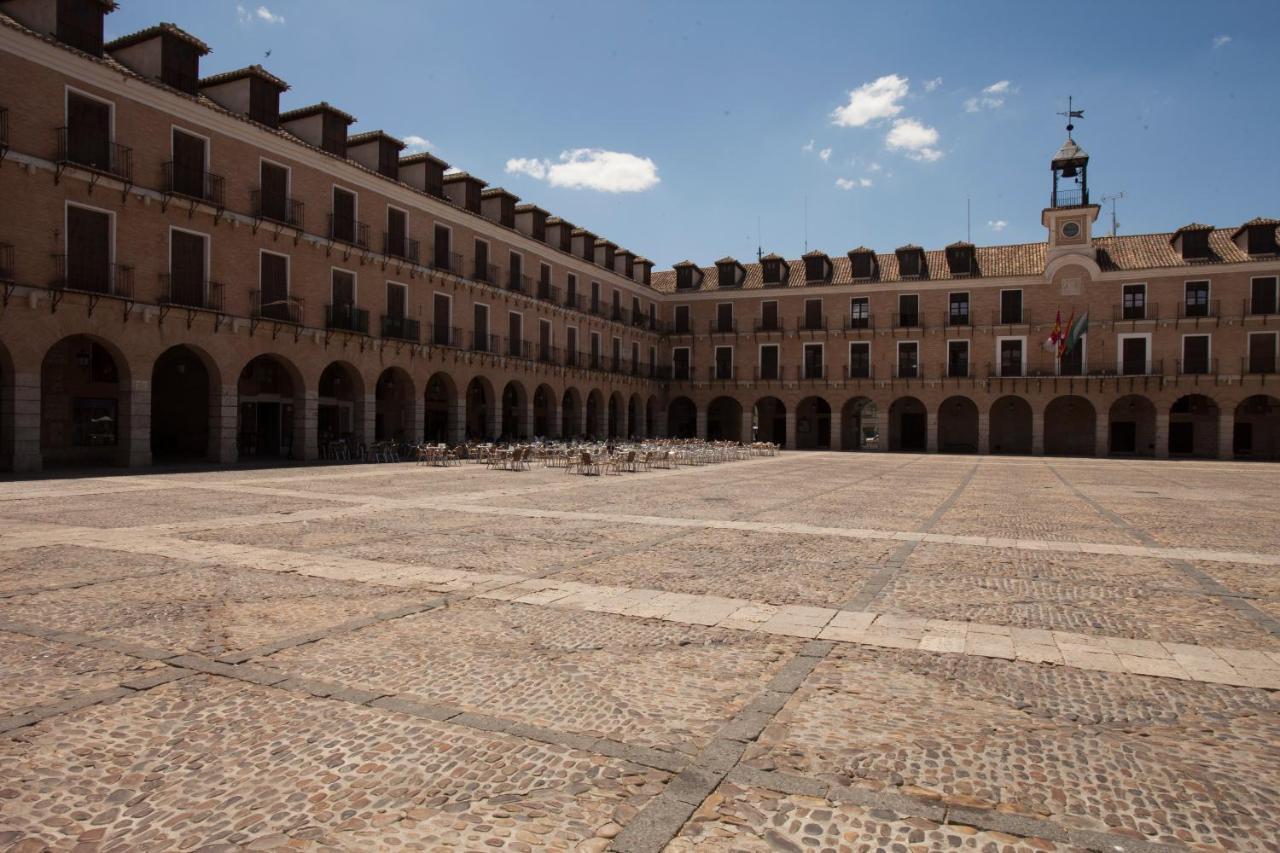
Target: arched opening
x=1009, y=430
x=438, y=412
x=651, y=417
x=908, y=425
x=1193, y=427
x=616, y=427
x=595, y=402
x=1257, y=428
x=339, y=406
x=543, y=408
x=813, y=424
x=1131, y=429
x=268, y=389
x=84, y=404
x=180, y=388
x=393, y=408
x=479, y=401
x=635, y=420
x=1070, y=427
x=571, y=413
x=682, y=418
x=724, y=420
x=858, y=424
x=771, y=421
x=513, y=406
x=958, y=425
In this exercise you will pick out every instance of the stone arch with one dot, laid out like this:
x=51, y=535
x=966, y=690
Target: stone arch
x=1193, y=427
x=479, y=402
x=440, y=411
x=813, y=424
x=858, y=423
x=271, y=396
x=908, y=425
x=1070, y=426
x=340, y=406
x=1131, y=427
x=617, y=428
x=958, y=425
x=86, y=404
x=544, y=410
x=724, y=420
x=682, y=418
x=1010, y=426
x=395, y=404
x=1257, y=428
x=571, y=413
x=515, y=400
x=770, y=416
x=185, y=404
x=594, y=413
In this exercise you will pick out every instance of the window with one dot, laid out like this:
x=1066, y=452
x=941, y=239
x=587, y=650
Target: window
x=571, y=290
x=616, y=365
x=89, y=250
x=80, y=25
x=724, y=317
x=1071, y=363
x=273, y=199
x=1011, y=307
x=635, y=357
x=544, y=281
x=398, y=243
x=908, y=311
x=653, y=361
x=333, y=134
x=910, y=264
x=684, y=278
x=544, y=340
x=813, y=314
x=443, y=253
x=908, y=359
x=860, y=360
x=680, y=363
x=769, y=362
x=515, y=271
x=442, y=321
x=482, y=262
x=682, y=319
x=273, y=285
x=397, y=300
x=1263, y=295
x=771, y=272
x=187, y=176
x=515, y=334
x=1011, y=356
x=595, y=350
x=958, y=310
x=187, y=265
x=1195, y=354
x=1196, y=299
x=653, y=316
x=957, y=358
x=342, y=224
x=637, y=315
x=595, y=297
x=88, y=135
x=616, y=305
x=769, y=316
x=1133, y=355
x=342, y=295
x=813, y=361
x=815, y=268
x=480, y=328
x=571, y=345
x=724, y=363
x=860, y=313
x=1134, y=302
x=1262, y=352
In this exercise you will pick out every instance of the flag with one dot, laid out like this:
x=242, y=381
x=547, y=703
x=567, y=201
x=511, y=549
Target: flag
x=1062, y=337
x=1078, y=329
x=1054, y=340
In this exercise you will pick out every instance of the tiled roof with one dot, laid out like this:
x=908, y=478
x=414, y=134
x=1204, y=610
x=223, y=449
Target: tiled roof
x=370, y=136
x=315, y=109
x=529, y=207
x=241, y=73
x=1257, y=220
x=494, y=192
x=151, y=32
x=463, y=176
x=1154, y=251
x=421, y=157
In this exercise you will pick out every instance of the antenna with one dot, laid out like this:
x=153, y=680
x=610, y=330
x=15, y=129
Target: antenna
x=759, y=242
x=968, y=221
x=806, y=224
x=1112, y=198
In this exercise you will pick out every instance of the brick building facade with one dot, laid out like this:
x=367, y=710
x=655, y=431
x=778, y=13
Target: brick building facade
x=188, y=271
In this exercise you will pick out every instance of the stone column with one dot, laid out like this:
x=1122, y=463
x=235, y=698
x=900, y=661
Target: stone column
x=984, y=432
x=224, y=425
x=837, y=431
x=1226, y=434
x=701, y=419
x=1102, y=435
x=748, y=421
x=136, y=446
x=931, y=431
x=1037, y=432
x=305, y=423
x=1162, y=434
x=26, y=423
x=791, y=429
x=457, y=429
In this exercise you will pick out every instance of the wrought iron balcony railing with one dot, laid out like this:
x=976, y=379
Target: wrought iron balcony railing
x=344, y=229
x=346, y=317
x=97, y=153
x=277, y=208
x=190, y=292
x=106, y=279
x=193, y=183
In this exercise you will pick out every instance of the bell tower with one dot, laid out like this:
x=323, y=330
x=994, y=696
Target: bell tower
x=1069, y=216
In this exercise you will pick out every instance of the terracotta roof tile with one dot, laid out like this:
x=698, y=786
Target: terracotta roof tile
x=240, y=73
x=316, y=109
x=370, y=136
x=421, y=157
x=153, y=31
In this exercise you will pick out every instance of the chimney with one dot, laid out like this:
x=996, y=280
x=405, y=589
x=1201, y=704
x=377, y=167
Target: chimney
x=643, y=270
x=321, y=125
x=624, y=263
x=163, y=52
x=463, y=190
x=531, y=221
x=75, y=23
x=498, y=205
x=251, y=91
x=605, y=251
x=961, y=259
x=378, y=151
x=584, y=244
x=424, y=172
x=1257, y=237
x=560, y=233
x=863, y=264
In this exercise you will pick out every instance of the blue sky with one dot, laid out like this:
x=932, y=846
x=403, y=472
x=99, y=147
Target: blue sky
x=743, y=111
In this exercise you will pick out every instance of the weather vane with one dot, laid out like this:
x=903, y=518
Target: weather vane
x=1071, y=114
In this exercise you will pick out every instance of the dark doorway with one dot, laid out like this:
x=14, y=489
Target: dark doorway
x=1182, y=437
x=1124, y=437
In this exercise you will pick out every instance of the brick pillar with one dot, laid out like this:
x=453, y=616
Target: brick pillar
x=931, y=431
x=418, y=426
x=224, y=424
x=1102, y=435
x=984, y=431
x=457, y=429
x=26, y=422
x=837, y=431
x=1162, y=434
x=791, y=430
x=701, y=420
x=1037, y=432
x=304, y=428
x=748, y=421
x=1226, y=434
x=136, y=445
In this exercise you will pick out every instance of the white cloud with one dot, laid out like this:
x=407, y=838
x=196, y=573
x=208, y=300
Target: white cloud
x=872, y=101
x=875, y=167
x=808, y=147
x=824, y=155
x=591, y=169
x=262, y=13
x=917, y=140
x=416, y=144
x=992, y=98
x=996, y=224
x=998, y=88
x=1221, y=41
x=850, y=183
x=931, y=85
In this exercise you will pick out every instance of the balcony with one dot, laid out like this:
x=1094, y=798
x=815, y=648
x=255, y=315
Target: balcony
x=681, y=328
x=107, y=279
x=1260, y=364
x=445, y=336
x=192, y=183
x=401, y=328
x=1136, y=367
x=573, y=301
x=487, y=273
x=1010, y=317
x=1196, y=310
x=723, y=327
x=618, y=314
x=4, y=131
x=907, y=370
x=812, y=372
x=815, y=323
x=190, y=293
x=596, y=308
x=399, y=246
x=446, y=261
x=346, y=317
x=681, y=373
x=573, y=358
x=1259, y=307
x=1198, y=367
x=907, y=320
x=956, y=370
x=953, y=319
x=722, y=373
x=518, y=283
x=768, y=374
x=483, y=342
x=95, y=154
x=547, y=291
x=517, y=348
x=286, y=310
x=344, y=229
x=1071, y=197
x=277, y=208
x=548, y=354
x=1142, y=311
x=640, y=320
x=1007, y=370
x=859, y=371
x=861, y=322
x=6, y=263
x=771, y=325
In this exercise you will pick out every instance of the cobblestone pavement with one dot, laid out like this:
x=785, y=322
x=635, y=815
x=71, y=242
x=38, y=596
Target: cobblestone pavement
x=811, y=652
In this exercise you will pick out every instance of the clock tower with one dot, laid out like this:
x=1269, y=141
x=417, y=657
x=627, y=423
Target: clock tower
x=1069, y=216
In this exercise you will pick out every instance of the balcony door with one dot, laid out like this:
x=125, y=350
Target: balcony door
x=188, y=164
x=89, y=131
x=1133, y=356
x=186, y=268
x=275, y=192
x=88, y=249
x=769, y=362
x=440, y=319
x=344, y=215
x=274, y=282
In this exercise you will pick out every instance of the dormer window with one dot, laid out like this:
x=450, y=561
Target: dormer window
x=263, y=93
x=1192, y=241
x=911, y=262
x=862, y=264
x=771, y=269
x=729, y=273
x=817, y=267
x=1257, y=236
x=80, y=23
x=960, y=260
x=684, y=277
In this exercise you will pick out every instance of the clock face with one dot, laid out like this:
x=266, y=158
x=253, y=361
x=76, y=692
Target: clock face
x=1070, y=229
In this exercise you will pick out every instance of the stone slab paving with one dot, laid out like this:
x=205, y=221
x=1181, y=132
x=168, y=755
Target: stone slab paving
x=815, y=651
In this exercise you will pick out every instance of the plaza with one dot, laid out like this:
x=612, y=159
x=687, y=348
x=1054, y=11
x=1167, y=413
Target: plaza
x=810, y=651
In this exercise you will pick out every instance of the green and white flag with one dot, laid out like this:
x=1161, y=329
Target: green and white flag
x=1078, y=330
